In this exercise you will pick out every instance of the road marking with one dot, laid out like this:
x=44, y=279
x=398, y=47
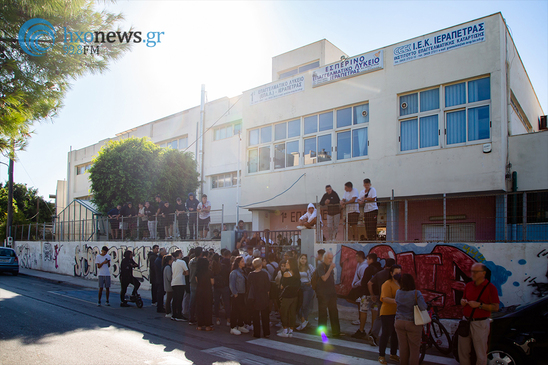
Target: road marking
x=365, y=347
x=241, y=357
x=333, y=357
x=68, y=296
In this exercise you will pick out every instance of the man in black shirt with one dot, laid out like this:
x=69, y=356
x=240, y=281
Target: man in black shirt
x=332, y=201
x=192, y=208
x=182, y=218
x=126, y=277
x=151, y=219
x=160, y=222
x=166, y=211
x=327, y=296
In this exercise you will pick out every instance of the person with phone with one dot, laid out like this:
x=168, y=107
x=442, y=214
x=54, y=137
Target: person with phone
x=102, y=261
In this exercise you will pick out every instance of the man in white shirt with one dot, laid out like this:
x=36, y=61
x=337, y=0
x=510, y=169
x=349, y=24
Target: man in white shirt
x=350, y=202
x=368, y=199
x=178, y=271
x=102, y=261
x=204, y=208
x=356, y=291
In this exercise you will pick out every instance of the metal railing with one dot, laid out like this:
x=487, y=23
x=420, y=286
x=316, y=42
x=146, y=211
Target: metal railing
x=503, y=217
x=101, y=228
x=277, y=242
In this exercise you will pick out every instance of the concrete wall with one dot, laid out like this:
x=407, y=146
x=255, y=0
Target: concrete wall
x=78, y=258
x=443, y=269
x=529, y=157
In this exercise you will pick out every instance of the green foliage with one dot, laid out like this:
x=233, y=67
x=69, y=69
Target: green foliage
x=28, y=206
x=32, y=88
x=177, y=175
x=135, y=170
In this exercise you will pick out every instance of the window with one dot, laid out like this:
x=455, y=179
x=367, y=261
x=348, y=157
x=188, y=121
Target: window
x=300, y=69
x=352, y=141
x=422, y=130
x=82, y=169
x=326, y=137
x=183, y=143
x=469, y=116
x=227, y=130
x=224, y=180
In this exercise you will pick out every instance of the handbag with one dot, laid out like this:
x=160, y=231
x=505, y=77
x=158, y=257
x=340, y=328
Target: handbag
x=421, y=317
x=463, y=330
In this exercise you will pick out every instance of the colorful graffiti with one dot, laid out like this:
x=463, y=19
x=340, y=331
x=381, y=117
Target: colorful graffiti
x=440, y=271
x=51, y=254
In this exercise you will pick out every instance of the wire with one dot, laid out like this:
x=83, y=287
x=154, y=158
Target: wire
x=222, y=115
x=283, y=192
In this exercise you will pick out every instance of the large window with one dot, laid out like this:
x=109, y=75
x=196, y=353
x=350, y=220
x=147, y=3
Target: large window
x=464, y=108
x=227, y=130
x=326, y=137
x=82, y=169
x=227, y=180
x=177, y=143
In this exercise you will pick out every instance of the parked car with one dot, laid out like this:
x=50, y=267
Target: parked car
x=519, y=335
x=9, y=260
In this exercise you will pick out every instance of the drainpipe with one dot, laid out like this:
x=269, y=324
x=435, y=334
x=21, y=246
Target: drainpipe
x=202, y=112
x=515, y=205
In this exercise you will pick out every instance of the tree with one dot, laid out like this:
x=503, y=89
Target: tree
x=177, y=175
x=135, y=170
x=32, y=88
x=29, y=207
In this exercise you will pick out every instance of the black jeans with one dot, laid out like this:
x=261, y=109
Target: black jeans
x=370, y=220
x=388, y=330
x=154, y=292
x=192, y=220
x=237, y=311
x=325, y=304
x=125, y=283
x=258, y=317
x=160, y=297
x=178, y=294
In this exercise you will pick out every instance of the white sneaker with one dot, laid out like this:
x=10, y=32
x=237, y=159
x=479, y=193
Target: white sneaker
x=169, y=315
x=249, y=327
x=284, y=333
x=290, y=333
x=280, y=330
x=302, y=326
x=243, y=329
x=356, y=322
x=301, y=227
x=234, y=331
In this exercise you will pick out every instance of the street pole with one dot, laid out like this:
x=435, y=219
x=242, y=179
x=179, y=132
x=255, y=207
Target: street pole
x=10, y=200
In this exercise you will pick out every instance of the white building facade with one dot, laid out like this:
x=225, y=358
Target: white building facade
x=444, y=113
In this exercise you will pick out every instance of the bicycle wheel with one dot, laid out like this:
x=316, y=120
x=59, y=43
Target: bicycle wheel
x=424, y=343
x=440, y=337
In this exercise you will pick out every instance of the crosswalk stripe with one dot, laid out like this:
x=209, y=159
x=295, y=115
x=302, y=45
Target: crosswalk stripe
x=241, y=357
x=359, y=346
x=318, y=354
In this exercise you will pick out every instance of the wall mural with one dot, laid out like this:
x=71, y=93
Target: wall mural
x=439, y=270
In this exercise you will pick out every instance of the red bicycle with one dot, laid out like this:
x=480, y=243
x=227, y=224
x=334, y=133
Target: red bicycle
x=434, y=333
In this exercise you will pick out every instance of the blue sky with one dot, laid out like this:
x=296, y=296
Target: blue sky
x=228, y=46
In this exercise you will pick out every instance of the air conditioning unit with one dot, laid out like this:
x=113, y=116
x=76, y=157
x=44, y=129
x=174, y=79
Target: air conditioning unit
x=542, y=123
x=364, y=113
x=404, y=105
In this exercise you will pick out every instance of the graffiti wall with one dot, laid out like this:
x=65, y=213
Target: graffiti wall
x=442, y=270
x=78, y=258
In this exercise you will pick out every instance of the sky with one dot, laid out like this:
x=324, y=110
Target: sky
x=228, y=46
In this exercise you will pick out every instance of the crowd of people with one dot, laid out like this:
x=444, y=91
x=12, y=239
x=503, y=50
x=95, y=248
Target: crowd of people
x=161, y=220
x=255, y=291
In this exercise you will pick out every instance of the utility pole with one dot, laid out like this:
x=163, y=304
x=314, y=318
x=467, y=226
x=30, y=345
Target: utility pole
x=10, y=196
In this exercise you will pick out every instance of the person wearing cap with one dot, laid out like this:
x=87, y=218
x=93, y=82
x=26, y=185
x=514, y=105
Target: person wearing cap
x=192, y=208
x=182, y=217
x=308, y=220
x=204, y=216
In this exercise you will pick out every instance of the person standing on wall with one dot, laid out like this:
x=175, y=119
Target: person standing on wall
x=151, y=257
x=159, y=221
x=332, y=201
x=350, y=203
x=151, y=220
x=204, y=216
x=368, y=199
x=192, y=208
x=103, y=263
x=479, y=300
x=113, y=216
x=182, y=218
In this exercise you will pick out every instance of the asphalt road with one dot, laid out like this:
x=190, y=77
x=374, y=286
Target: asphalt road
x=44, y=322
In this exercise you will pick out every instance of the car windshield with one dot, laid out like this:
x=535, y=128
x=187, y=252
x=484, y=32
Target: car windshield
x=6, y=252
x=519, y=307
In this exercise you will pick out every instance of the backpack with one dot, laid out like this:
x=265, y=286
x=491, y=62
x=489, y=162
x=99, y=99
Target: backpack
x=276, y=269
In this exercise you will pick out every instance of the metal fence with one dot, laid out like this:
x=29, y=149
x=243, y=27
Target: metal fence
x=277, y=242
x=503, y=217
x=102, y=228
